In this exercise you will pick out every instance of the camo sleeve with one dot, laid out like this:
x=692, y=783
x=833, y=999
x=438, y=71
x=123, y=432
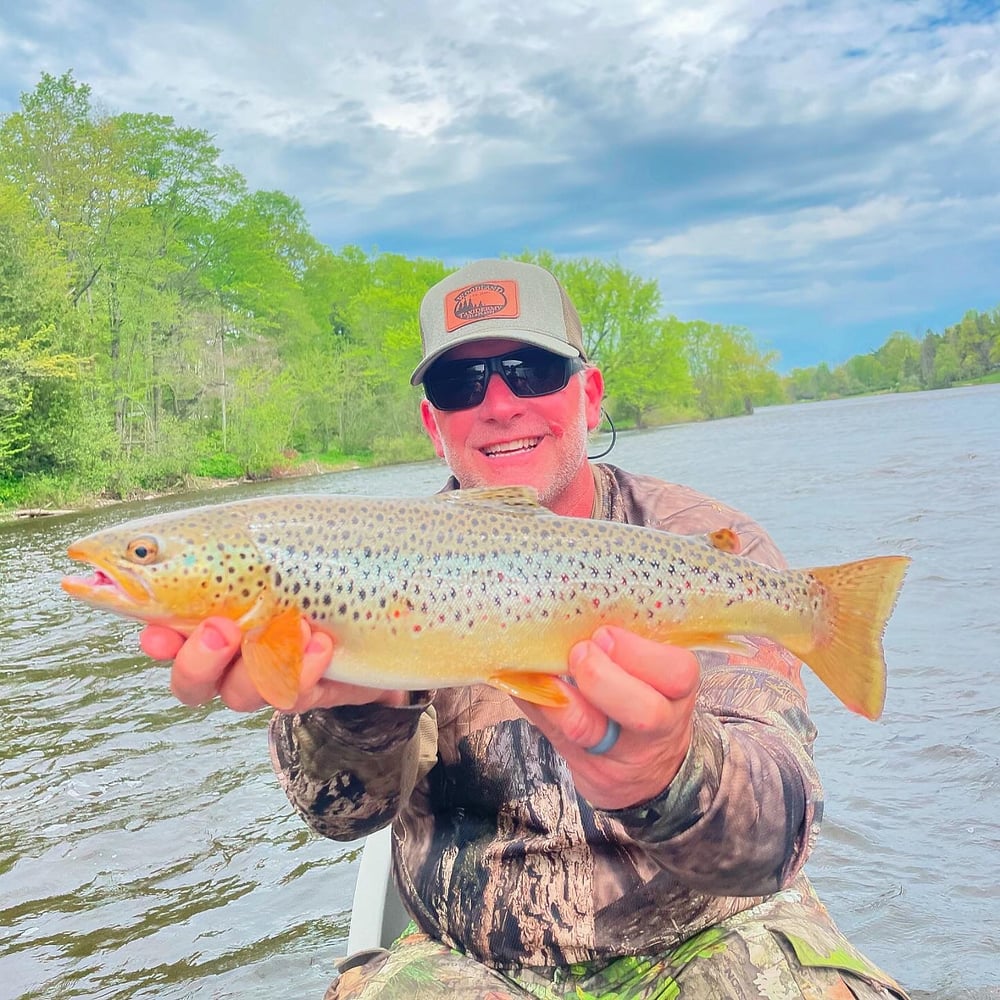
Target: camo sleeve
x=743, y=813
x=348, y=771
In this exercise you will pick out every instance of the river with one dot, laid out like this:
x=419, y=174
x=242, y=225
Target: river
x=146, y=850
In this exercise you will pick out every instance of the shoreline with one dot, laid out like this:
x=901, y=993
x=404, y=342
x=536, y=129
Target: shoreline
x=192, y=484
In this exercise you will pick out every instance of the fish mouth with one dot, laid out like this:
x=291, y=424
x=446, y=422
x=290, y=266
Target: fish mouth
x=107, y=586
x=519, y=446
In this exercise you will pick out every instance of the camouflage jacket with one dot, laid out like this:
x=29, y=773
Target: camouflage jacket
x=496, y=854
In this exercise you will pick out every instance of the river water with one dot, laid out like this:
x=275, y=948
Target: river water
x=146, y=850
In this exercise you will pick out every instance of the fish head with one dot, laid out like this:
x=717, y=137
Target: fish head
x=174, y=570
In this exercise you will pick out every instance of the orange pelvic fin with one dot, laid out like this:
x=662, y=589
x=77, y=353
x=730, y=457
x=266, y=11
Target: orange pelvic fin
x=846, y=651
x=539, y=689
x=273, y=655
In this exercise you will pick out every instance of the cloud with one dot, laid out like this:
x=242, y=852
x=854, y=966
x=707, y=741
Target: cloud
x=750, y=154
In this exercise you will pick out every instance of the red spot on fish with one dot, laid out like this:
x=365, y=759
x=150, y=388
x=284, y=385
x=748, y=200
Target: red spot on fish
x=417, y=628
x=658, y=605
x=596, y=603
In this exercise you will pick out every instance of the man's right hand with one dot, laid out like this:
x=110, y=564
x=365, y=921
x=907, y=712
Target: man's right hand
x=207, y=664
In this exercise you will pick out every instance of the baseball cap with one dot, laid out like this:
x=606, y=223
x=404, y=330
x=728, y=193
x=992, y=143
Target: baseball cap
x=498, y=299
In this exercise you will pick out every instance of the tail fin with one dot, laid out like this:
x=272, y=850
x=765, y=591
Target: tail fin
x=846, y=651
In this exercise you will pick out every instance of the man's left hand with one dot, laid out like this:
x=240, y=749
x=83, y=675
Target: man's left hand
x=649, y=689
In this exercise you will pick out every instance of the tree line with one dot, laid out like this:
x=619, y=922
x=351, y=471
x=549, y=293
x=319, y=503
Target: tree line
x=160, y=321
x=968, y=351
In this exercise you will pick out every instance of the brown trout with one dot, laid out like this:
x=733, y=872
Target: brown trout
x=475, y=586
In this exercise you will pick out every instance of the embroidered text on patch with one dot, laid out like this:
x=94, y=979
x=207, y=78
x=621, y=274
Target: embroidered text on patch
x=483, y=300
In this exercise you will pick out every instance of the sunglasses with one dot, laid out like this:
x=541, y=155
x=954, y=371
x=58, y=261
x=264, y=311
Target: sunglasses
x=528, y=372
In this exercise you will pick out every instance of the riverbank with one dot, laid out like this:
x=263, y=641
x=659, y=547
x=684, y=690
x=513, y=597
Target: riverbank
x=51, y=495
x=187, y=484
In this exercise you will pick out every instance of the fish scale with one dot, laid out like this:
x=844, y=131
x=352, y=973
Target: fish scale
x=479, y=586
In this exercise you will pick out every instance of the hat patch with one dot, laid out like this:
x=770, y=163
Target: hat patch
x=483, y=300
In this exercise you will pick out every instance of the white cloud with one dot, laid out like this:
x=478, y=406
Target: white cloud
x=790, y=234
x=746, y=150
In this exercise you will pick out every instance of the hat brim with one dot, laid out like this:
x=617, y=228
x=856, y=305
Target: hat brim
x=533, y=337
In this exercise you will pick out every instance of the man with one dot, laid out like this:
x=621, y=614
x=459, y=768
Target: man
x=644, y=841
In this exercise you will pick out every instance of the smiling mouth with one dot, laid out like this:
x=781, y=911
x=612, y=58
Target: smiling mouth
x=519, y=447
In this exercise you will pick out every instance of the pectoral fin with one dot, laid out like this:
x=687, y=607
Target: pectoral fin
x=539, y=689
x=273, y=655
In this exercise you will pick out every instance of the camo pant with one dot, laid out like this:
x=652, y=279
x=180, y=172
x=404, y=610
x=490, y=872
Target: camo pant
x=761, y=954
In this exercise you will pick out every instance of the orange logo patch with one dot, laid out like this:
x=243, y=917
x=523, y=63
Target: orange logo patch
x=483, y=300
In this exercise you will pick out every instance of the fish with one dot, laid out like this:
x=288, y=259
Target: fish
x=477, y=586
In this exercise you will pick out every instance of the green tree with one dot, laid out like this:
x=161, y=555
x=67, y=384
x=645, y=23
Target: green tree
x=899, y=358
x=25, y=361
x=947, y=365
x=731, y=375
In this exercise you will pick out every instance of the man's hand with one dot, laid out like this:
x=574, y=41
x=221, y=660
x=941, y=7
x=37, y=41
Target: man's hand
x=649, y=689
x=208, y=665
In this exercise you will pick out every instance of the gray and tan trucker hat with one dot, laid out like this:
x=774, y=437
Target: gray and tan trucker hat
x=504, y=299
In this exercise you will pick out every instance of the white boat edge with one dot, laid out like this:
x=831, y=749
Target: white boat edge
x=377, y=914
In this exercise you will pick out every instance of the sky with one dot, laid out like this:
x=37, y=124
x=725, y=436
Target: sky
x=819, y=173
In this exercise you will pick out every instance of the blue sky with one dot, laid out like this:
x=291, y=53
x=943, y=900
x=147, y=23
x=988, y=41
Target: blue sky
x=821, y=173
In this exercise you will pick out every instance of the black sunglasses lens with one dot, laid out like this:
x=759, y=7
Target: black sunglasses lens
x=459, y=385
x=456, y=385
x=536, y=374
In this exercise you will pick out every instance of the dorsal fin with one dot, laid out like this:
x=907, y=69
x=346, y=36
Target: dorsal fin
x=512, y=499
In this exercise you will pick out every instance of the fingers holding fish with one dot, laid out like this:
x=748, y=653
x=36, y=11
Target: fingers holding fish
x=669, y=670
x=610, y=674
x=649, y=689
x=201, y=663
x=159, y=642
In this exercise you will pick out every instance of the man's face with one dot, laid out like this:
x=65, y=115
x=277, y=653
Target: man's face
x=510, y=441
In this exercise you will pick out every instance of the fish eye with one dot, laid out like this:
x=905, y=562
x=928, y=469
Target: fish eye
x=143, y=550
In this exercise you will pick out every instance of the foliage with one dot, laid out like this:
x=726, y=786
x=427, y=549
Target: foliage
x=969, y=351
x=159, y=320
x=26, y=362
